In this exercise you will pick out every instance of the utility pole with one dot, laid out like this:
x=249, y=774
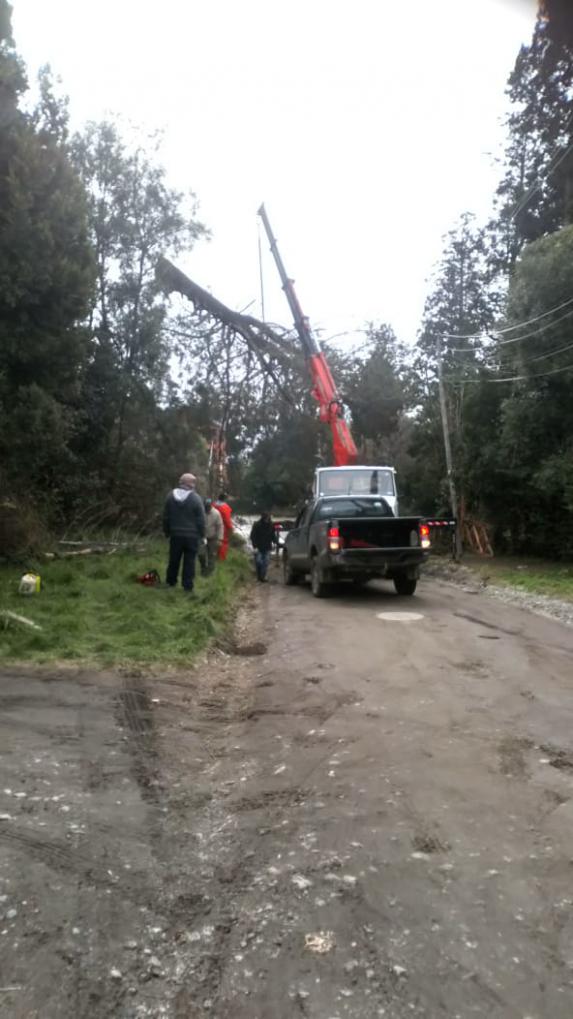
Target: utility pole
x=448, y=451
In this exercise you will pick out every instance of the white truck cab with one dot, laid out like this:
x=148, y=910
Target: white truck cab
x=357, y=480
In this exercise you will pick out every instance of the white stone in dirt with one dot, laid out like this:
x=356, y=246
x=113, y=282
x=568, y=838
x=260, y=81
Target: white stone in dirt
x=399, y=617
x=11, y=914
x=300, y=881
x=321, y=943
x=115, y=974
x=155, y=966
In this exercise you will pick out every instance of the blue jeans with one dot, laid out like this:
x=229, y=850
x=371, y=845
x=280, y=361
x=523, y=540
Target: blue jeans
x=262, y=563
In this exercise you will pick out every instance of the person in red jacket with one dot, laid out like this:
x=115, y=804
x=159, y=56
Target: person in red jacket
x=226, y=512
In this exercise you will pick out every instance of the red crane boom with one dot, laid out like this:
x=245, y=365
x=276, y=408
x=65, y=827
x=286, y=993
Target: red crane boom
x=323, y=386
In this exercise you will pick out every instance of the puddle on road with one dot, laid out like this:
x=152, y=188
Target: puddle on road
x=399, y=617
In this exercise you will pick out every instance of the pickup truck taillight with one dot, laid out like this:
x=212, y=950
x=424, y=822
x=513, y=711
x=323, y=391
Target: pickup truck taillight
x=333, y=539
x=425, y=536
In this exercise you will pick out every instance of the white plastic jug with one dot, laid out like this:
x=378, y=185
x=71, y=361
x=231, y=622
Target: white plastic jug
x=30, y=583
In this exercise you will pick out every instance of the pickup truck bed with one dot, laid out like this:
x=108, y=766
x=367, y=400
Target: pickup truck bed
x=331, y=544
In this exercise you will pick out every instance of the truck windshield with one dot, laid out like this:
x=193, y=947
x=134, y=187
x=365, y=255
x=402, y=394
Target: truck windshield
x=356, y=482
x=353, y=508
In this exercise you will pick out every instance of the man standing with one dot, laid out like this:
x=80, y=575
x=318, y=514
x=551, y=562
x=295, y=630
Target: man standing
x=214, y=534
x=263, y=537
x=184, y=525
x=226, y=512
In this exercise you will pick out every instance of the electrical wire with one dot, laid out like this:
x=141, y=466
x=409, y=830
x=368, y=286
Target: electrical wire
x=537, y=357
x=507, y=329
x=509, y=378
x=512, y=339
x=528, y=360
x=549, y=353
x=523, y=201
x=551, y=167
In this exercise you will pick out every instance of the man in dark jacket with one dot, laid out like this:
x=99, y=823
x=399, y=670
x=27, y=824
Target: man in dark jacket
x=184, y=525
x=263, y=537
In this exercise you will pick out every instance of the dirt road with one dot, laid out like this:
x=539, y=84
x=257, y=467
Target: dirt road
x=373, y=818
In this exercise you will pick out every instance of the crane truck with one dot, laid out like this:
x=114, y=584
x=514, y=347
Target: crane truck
x=350, y=530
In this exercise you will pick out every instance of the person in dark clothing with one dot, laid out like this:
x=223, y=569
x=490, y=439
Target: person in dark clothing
x=263, y=537
x=184, y=525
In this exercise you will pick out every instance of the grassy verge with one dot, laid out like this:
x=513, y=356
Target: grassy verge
x=536, y=576
x=92, y=610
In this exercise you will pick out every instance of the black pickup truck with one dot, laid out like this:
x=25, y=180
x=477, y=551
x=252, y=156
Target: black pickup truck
x=354, y=538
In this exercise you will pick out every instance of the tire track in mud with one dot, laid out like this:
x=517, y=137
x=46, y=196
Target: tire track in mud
x=135, y=715
x=81, y=865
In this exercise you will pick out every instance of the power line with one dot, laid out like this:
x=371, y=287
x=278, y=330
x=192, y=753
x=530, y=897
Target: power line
x=507, y=329
x=551, y=167
x=523, y=201
x=550, y=353
x=512, y=339
x=528, y=360
x=511, y=378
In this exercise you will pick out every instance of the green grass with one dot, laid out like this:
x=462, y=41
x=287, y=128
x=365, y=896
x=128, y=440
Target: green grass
x=92, y=610
x=533, y=575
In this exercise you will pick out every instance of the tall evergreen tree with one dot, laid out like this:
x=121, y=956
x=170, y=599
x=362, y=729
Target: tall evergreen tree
x=46, y=276
x=535, y=194
x=460, y=307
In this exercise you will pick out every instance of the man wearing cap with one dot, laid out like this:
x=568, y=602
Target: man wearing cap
x=184, y=525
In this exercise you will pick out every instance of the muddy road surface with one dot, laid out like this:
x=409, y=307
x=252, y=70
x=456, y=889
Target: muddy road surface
x=340, y=814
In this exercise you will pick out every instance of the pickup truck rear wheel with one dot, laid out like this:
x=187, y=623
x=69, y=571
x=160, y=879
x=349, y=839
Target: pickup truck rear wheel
x=289, y=576
x=317, y=585
x=405, y=585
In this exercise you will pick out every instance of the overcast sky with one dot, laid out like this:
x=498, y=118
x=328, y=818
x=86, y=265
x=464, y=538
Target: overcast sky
x=365, y=127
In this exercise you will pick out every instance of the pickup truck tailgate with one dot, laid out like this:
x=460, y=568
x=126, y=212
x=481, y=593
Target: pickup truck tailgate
x=378, y=533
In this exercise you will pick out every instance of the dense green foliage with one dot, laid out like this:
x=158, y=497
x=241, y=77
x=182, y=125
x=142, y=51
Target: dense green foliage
x=46, y=281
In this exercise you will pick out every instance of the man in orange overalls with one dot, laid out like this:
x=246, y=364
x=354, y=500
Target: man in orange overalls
x=226, y=512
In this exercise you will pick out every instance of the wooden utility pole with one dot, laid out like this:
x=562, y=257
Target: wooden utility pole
x=448, y=450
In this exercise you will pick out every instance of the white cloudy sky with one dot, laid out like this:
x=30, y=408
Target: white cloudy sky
x=366, y=128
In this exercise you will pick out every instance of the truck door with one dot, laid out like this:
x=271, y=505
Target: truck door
x=298, y=537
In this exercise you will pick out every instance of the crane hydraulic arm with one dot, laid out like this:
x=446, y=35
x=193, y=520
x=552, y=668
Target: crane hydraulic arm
x=323, y=385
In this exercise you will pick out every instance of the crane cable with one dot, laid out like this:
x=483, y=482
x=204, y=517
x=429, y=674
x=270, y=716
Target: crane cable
x=261, y=277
